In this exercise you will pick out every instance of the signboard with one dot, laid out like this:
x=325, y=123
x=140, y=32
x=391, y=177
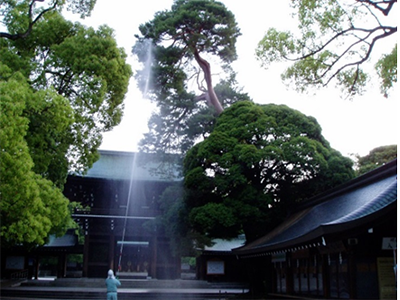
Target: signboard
x=215, y=267
x=389, y=243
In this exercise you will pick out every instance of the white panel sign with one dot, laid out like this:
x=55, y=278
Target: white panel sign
x=215, y=267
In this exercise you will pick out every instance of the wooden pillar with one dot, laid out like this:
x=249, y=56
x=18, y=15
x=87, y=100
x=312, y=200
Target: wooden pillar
x=61, y=265
x=201, y=268
x=111, y=251
x=325, y=276
x=36, y=270
x=178, y=267
x=352, y=265
x=153, y=257
x=86, y=257
x=289, y=275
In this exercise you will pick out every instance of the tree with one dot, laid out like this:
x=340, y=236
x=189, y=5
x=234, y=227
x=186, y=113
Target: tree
x=375, y=158
x=175, y=128
x=259, y=161
x=175, y=49
x=84, y=66
x=31, y=207
x=21, y=16
x=188, y=31
x=333, y=41
x=387, y=70
x=73, y=81
x=91, y=71
x=173, y=222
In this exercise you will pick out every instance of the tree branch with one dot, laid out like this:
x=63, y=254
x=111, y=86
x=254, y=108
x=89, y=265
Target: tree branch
x=385, y=11
x=31, y=22
x=366, y=56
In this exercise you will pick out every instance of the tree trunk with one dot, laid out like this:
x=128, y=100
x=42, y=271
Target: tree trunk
x=212, y=97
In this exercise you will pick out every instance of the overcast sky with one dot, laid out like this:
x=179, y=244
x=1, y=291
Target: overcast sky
x=355, y=126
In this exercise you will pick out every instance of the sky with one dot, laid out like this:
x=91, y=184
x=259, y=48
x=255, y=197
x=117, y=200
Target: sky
x=351, y=126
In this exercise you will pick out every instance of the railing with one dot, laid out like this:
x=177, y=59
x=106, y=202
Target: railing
x=23, y=274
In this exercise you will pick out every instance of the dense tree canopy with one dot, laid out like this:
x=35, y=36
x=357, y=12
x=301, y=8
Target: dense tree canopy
x=20, y=16
x=175, y=129
x=81, y=64
x=176, y=49
x=174, y=223
x=257, y=163
x=73, y=81
x=333, y=41
x=31, y=206
x=375, y=158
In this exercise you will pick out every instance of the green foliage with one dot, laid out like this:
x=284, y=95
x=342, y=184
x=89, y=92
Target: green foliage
x=191, y=261
x=178, y=37
x=387, y=70
x=88, y=68
x=173, y=47
x=82, y=7
x=332, y=42
x=204, y=25
x=89, y=71
x=213, y=218
x=375, y=158
x=62, y=85
x=20, y=16
x=256, y=164
x=50, y=118
x=178, y=124
x=75, y=258
x=174, y=223
x=31, y=207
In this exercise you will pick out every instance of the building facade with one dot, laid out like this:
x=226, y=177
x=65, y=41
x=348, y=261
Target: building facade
x=217, y=263
x=120, y=233
x=120, y=198
x=338, y=245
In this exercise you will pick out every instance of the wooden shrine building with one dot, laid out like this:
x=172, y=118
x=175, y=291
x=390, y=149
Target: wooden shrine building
x=120, y=234
x=121, y=194
x=340, y=244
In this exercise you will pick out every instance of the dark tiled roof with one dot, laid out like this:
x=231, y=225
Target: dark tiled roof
x=345, y=207
x=116, y=165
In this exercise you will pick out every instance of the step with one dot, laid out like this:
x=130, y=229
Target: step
x=69, y=293
x=125, y=282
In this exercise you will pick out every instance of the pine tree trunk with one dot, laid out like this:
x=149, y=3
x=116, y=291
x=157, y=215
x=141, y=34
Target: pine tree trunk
x=212, y=97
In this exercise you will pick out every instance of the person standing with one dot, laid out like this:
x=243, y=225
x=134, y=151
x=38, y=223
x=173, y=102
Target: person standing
x=112, y=283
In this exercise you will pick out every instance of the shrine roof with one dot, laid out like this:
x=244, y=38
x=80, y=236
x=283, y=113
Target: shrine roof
x=118, y=165
x=226, y=245
x=353, y=204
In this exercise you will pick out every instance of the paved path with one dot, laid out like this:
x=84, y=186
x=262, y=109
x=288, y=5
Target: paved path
x=138, y=293
x=128, y=290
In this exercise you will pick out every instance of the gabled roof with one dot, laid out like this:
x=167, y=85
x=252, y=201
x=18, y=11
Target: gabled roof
x=221, y=245
x=118, y=165
x=353, y=204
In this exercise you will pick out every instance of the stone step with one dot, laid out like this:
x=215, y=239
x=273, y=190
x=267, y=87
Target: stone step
x=75, y=293
x=121, y=295
x=134, y=283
